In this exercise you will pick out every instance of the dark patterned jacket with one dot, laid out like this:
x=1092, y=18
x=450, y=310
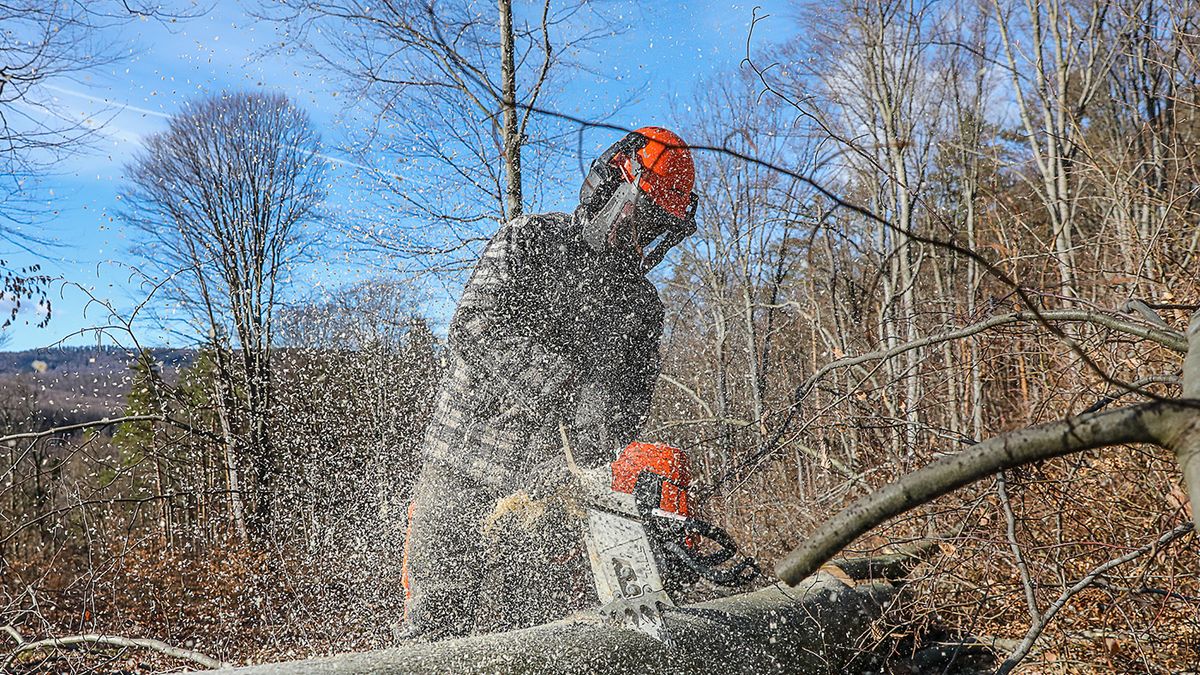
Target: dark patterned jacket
x=546, y=331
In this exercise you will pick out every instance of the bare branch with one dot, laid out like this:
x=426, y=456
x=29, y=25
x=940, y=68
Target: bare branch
x=91, y=639
x=1146, y=423
x=1039, y=625
x=1170, y=339
x=12, y=438
x=1010, y=529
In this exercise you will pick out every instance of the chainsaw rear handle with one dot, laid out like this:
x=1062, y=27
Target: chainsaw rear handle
x=712, y=533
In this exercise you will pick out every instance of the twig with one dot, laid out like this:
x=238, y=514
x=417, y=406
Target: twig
x=1146, y=590
x=1036, y=629
x=1011, y=529
x=11, y=630
x=113, y=641
x=104, y=423
x=1137, y=385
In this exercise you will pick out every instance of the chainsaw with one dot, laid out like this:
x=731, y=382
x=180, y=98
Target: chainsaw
x=644, y=545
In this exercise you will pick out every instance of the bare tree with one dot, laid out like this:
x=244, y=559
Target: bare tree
x=223, y=195
x=48, y=43
x=44, y=41
x=727, y=286
x=1123, y=187
x=866, y=78
x=1056, y=55
x=450, y=89
x=44, y=44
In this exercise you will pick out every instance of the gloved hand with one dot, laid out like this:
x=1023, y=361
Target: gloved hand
x=515, y=509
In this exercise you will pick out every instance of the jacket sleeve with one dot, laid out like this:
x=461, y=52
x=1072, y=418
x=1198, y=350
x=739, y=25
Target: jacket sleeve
x=634, y=407
x=614, y=401
x=495, y=328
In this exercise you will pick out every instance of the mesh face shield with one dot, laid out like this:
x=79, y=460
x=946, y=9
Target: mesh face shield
x=613, y=226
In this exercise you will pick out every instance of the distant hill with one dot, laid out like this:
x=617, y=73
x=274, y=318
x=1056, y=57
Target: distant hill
x=42, y=388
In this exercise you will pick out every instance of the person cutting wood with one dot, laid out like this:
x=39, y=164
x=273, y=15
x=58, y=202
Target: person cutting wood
x=553, y=346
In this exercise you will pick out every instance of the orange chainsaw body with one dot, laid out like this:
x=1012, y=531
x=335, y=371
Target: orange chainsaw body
x=657, y=458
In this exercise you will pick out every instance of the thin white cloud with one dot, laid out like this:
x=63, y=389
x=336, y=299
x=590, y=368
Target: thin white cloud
x=115, y=130
x=106, y=101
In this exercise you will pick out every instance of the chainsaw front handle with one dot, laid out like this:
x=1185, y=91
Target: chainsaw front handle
x=741, y=574
x=670, y=530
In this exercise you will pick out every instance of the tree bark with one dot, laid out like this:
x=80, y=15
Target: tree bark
x=1186, y=440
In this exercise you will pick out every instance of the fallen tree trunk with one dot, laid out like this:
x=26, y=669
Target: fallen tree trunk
x=822, y=625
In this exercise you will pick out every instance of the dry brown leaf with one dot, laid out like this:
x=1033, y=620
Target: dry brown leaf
x=1178, y=499
x=839, y=574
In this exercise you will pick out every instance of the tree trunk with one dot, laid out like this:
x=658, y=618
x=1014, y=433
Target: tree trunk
x=1187, y=441
x=511, y=134
x=821, y=626
x=233, y=481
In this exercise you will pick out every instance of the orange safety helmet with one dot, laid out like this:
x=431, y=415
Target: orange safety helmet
x=640, y=189
x=667, y=171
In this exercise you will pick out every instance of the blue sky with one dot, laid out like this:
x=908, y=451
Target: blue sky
x=671, y=48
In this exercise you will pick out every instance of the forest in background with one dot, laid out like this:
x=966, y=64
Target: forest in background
x=885, y=199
